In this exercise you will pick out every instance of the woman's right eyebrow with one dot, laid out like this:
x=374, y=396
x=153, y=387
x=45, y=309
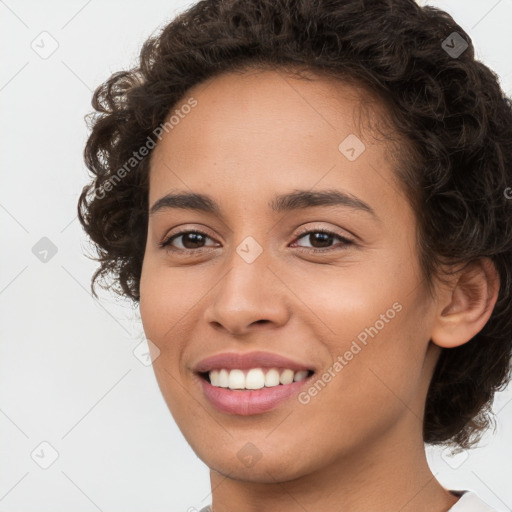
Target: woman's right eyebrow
x=296, y=200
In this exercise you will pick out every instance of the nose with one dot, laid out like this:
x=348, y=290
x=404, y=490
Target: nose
x=247, y=297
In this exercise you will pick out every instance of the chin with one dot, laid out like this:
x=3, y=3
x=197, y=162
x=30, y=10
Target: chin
x=246, y=462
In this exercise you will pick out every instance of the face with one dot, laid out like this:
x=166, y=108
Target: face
x=333, y=285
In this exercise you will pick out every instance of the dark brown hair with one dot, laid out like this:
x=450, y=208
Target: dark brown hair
x=455, y=165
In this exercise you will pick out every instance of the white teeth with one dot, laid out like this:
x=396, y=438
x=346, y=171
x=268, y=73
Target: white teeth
x=214, y=378
x=223, y=378
x=236, y=379
x=300, y=375
x=286, y=377
x=255, y=378
x=272, y=378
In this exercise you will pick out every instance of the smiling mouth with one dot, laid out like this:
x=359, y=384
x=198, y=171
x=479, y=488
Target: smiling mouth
x=254, y=379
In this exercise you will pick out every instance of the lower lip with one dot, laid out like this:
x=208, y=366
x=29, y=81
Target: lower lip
x=245, y=403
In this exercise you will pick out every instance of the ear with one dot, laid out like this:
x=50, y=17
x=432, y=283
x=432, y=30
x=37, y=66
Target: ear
x=465, y=306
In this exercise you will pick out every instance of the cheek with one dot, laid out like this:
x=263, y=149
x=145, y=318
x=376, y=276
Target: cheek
x=160, y=309
x=150, y=303
x=380, y=376
x=170, y=299
x=164, y=303
x=167, y=296
x=377, y=338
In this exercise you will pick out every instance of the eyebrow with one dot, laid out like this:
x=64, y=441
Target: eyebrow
x=296, y=200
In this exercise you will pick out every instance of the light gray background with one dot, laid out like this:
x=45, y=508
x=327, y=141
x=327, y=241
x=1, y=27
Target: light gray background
x=68, y=373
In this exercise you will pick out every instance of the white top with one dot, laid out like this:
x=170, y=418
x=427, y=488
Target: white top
x=468, y=502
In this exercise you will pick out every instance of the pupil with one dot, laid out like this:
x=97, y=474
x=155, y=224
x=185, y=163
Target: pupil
x=196, y=238
x=321, y=237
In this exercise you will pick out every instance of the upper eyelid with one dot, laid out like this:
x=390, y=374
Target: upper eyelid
x=185, y=232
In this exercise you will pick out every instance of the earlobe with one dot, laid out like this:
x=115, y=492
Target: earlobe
x=465, y=307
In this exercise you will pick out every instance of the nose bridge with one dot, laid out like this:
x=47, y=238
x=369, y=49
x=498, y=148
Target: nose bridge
x=247, y=280
x=249, y=291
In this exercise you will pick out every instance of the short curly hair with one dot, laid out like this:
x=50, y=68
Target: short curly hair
x=456, y=165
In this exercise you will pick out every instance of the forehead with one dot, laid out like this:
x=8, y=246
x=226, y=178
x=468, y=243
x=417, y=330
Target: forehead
x=268, y=100
x=268, y=130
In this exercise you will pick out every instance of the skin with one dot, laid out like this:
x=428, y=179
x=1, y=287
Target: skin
x=357, y=445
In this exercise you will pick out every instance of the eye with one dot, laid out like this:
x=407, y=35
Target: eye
x=192, y=240
x=324, y=238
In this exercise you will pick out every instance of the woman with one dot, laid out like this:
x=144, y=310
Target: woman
x=308, y=200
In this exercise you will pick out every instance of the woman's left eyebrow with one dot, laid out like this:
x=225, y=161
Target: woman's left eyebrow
x=296, y=200
x=302, y=199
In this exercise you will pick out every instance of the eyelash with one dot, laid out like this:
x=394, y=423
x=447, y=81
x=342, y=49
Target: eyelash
x=165, y=244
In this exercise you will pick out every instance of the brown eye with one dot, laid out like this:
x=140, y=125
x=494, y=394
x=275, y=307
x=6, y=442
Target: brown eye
x=321, y=240
x=191, y=240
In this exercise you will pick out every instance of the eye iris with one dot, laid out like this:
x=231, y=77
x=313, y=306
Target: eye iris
x=196, y=238
x=321, y=237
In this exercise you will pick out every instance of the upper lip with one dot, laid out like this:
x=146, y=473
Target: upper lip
x=231, y=360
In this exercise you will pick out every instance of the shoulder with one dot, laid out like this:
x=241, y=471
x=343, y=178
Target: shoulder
x=469, y=502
